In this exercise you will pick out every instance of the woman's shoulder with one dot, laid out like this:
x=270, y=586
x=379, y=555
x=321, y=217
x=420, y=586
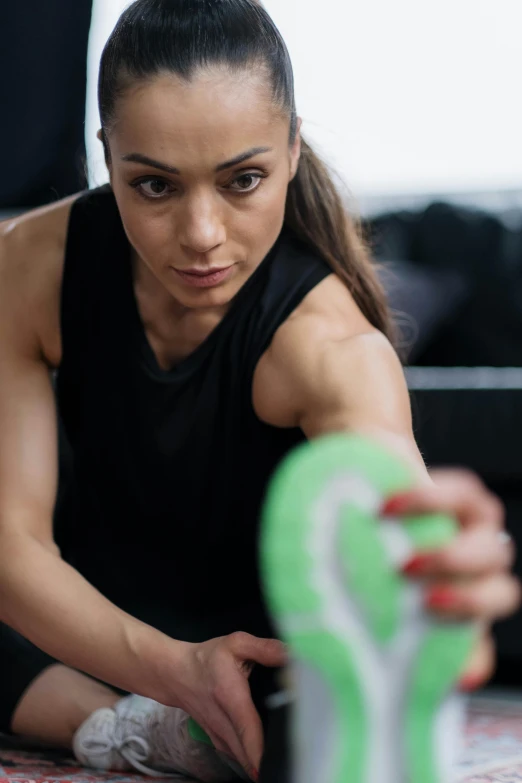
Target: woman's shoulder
x=32, y=252
x=24, y=239
x=327, y=330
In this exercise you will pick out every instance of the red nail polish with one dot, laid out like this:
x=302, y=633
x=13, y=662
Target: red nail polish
x=418, y=564
x=470, y=682
x=396, y=505
x=441, y=598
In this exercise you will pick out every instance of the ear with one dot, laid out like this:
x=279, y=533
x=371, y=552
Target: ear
x=295, y=151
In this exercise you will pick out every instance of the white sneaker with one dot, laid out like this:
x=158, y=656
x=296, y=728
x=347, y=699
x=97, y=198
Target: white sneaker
x=142, y=734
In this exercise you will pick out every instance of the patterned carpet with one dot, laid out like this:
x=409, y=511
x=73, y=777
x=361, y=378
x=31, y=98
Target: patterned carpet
x=18, y=766
x=493, y=753
x=494, y=741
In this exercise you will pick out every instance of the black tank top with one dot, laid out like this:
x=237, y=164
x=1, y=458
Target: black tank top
x=169, y=468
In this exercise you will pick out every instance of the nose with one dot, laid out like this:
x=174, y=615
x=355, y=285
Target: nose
x=201, y=224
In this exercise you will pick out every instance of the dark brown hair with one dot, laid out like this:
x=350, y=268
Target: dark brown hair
x=180, y=36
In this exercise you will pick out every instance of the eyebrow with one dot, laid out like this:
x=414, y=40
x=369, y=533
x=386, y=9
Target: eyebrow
x=136, y=157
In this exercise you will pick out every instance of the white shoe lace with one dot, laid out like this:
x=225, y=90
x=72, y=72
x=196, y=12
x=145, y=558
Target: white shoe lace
x=135, y=750
x=136, y=756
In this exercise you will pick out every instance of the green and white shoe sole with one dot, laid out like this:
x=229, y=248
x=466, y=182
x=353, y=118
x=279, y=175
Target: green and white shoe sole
x=373, y=672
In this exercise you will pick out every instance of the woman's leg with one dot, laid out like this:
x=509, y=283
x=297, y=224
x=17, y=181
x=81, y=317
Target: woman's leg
x=39, y=697
x=57, y=703
x=44, y=700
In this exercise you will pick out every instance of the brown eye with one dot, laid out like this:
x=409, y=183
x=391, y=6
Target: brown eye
x=153, y=188
x=246, y=183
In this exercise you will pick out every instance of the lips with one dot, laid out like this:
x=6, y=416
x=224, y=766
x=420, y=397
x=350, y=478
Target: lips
x=203, y=272
x=204, y=278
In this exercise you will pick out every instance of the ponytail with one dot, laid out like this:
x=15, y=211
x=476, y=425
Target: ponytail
x=315, y=212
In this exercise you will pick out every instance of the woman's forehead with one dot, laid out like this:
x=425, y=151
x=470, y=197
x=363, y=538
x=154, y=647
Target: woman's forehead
x=207, y=117
x=209, y=94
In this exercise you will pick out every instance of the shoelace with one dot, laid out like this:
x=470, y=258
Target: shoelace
x=134, y=757
x=127, y=749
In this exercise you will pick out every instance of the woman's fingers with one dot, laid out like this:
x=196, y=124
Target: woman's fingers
x=238, y=729
x=220, y=744
x=267, y=652
x=487, y=599
x=245, y=737
x=229, y=742
x=233, y=723
x=456, y=492
x=213, y=688
x=474, y=552
x=481, y=664
x=234, y=697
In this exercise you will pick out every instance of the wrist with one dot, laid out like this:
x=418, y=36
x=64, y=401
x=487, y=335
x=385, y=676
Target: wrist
x=159, y=663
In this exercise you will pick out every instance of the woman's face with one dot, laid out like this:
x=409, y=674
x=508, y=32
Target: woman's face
x=200, y=172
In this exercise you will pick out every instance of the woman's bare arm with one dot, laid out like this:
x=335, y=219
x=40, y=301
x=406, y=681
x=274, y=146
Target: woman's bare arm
x=43, y=597
x=40, y=595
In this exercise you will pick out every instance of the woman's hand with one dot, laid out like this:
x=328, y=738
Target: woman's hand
x=213, y=688
x=471, y=577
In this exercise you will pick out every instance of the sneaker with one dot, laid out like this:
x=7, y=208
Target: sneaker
x=372, y=671
x=138, y=733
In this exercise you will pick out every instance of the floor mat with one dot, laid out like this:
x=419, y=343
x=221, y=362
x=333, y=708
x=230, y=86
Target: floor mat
x=23, y=766
x=493, y=751
x=494, y=740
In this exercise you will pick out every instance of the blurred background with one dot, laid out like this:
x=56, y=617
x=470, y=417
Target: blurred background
x=417, y=107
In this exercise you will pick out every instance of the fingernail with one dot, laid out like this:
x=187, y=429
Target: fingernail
x=441, y=598
x=418, y=564
x=396, y=505
x=470, y=682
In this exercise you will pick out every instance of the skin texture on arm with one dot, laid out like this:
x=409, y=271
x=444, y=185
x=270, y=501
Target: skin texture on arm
x=328, y=370
x=40, y=595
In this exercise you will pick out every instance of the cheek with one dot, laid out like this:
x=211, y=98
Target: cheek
x=272, y=212
x=264, y=212
x=151, y=236
x=149, y=231
x=275, y=198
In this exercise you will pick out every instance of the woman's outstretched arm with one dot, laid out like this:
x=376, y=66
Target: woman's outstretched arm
x=328, y=370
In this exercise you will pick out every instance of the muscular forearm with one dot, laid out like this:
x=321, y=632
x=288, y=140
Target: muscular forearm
x=52, y=605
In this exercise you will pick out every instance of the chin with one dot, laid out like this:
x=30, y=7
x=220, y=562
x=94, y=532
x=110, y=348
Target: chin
x=200, y=299
x=216, y=296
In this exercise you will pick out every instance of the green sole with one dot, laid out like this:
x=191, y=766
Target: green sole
x=332, y=582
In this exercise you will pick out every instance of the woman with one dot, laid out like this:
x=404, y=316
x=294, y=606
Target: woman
x=204, y=314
